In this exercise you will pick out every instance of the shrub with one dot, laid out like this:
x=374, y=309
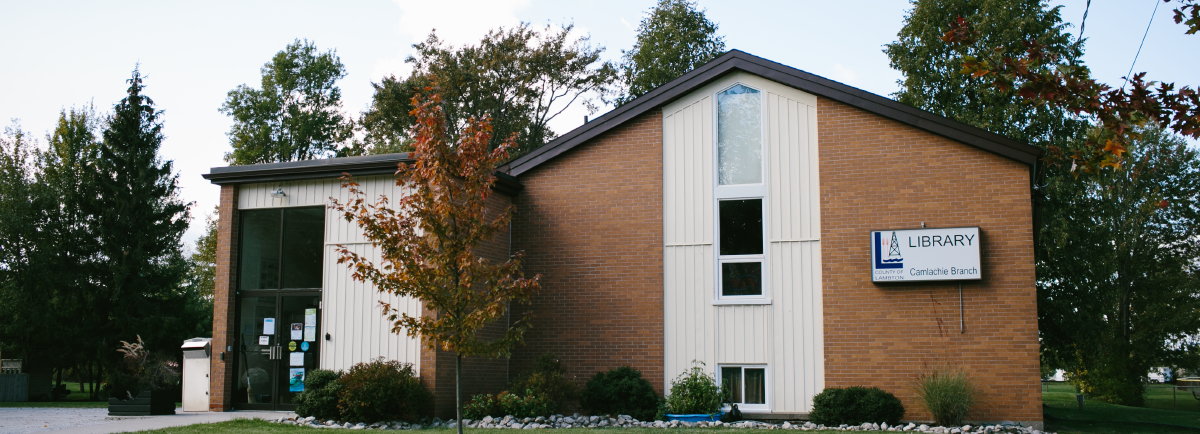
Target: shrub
x=507, y=403
x=620, y=391
x=547, y=379
x=320, y=396
x=948, y=394
x=855, y=406
x=382, y=390
x=694, y=392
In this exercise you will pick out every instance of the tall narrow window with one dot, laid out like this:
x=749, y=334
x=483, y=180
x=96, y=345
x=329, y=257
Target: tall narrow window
x=739, y=136
x=740, y=192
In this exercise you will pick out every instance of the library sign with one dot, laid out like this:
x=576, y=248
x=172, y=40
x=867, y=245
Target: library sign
x=919, y=255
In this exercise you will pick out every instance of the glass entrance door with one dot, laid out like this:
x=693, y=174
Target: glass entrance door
x=278, y=346
x=258, y=335
x=300, y=351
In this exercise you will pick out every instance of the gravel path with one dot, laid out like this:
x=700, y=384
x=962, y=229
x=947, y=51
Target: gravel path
x=30, y=420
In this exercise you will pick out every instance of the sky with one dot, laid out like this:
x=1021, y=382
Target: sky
x=63, y=54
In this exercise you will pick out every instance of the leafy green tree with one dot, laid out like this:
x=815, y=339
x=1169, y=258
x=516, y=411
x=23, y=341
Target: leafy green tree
x=68, y=250
x=1043, y=75
x=1119, y=280
x=296, y=115
x=672, y=39
x=137, y=219
x=23, y=323
x=1070, y=310
x=202, y=263
x=519, y=78
x=932, y=80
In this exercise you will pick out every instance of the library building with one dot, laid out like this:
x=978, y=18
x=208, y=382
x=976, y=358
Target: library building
x=791, y=232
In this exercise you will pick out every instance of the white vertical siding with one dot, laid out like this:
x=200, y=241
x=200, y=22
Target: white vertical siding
x=351, y=311
x=785, y=334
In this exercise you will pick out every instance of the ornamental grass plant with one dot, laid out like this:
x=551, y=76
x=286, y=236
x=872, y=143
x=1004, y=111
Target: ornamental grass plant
x=948, y=394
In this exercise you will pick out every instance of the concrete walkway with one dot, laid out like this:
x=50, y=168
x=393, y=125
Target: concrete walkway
x=96, y=420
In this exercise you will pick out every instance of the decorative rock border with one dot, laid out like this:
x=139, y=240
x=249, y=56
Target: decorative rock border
x=625, y=421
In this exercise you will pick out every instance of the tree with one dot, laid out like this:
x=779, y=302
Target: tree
x=202, y=264
x=932, y=80
x=428, y=243
x=138, y=219
x=68, y=252
x=672, y=39
x=1043, y=75
x=296, y=115
x=1120, y=279
x=519, y=78
x=1063, y=209
x=22, y=323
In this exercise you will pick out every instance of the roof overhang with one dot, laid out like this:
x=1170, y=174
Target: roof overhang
x=385, y=164
x=822, y=87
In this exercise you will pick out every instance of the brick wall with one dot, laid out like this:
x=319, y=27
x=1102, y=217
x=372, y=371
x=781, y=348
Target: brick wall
x=221, y=371
x=590, y=221
x=480, y=375
x=879, y=174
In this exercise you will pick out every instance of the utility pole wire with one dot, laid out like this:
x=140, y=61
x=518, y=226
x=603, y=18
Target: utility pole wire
x=1139, y=51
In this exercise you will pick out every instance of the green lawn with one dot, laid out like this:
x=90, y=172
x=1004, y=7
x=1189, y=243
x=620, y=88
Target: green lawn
x=1100, y=417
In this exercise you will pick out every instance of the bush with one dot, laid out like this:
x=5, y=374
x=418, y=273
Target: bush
x=855, y=406
x=506, y=403
x=382, y=391
x=320, y=396
x=948, y=394
x=547, y=379
x=620, y=391
x=694, y=392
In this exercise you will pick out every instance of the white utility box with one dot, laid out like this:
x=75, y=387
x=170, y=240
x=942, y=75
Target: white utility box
x=197, y=352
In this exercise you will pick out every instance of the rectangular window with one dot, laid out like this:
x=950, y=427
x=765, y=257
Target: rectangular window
x=281, y=248
x=741, y=247
x=739, y=136
x=745, y=386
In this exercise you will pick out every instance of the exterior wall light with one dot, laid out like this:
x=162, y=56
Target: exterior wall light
x=278, y=193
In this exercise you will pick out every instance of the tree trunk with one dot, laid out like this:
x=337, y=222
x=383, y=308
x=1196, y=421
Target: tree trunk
x=458, y=391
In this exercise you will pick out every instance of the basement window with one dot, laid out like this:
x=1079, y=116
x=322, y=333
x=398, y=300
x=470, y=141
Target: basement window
x=746, y=386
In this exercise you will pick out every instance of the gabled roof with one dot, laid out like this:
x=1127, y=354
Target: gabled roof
x=740, y=61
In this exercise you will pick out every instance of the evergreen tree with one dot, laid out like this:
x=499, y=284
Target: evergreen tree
x=296, y=115
x=137, y=220
x=672, y=39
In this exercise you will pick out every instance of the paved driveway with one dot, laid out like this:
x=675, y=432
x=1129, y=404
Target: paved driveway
x=96, y=420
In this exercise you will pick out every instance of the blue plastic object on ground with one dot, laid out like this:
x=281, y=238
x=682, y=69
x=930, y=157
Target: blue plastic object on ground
x=696, y=417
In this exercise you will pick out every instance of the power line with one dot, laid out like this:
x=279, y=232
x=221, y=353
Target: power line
x=1139, y=51
x=1083, y=23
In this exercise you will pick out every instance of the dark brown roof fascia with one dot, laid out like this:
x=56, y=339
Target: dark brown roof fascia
x=820, y=86
x=330, y=168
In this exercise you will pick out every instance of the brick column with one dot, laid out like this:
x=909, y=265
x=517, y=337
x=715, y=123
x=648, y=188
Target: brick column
x=221, y=375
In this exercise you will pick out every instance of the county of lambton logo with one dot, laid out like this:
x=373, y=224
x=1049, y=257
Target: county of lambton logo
x=894, y=260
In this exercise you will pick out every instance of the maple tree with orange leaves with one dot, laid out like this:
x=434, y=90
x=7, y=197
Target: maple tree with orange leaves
x=429, y=241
